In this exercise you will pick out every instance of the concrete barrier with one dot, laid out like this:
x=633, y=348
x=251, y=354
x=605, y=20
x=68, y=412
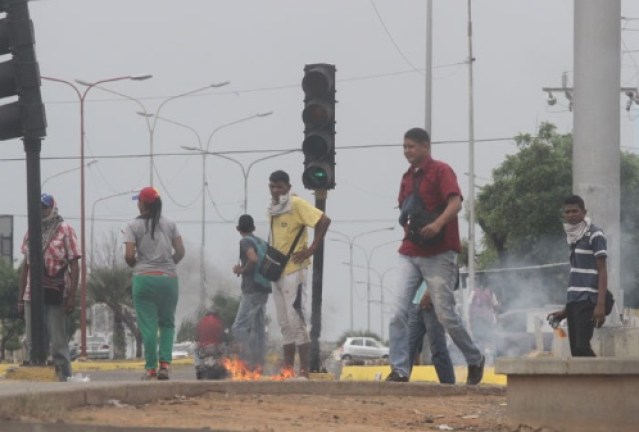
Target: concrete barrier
x=584, y=394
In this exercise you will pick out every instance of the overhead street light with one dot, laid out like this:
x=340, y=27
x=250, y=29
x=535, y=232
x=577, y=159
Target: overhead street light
x=83, y=265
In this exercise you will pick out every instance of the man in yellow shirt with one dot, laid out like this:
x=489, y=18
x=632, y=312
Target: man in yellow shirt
x=290, y=214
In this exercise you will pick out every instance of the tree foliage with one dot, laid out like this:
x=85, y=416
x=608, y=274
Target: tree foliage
x=519, y=212
x=11, y=325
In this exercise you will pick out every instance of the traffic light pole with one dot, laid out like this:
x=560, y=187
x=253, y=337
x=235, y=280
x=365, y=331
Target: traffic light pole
x=32, y=148
x=316, y=304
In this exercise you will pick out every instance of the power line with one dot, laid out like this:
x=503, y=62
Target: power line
x=259, y=89
x=251, y=151
x=219, y=222
x=392, y=40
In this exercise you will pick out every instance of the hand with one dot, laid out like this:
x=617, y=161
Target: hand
x=599, y=315
x=302, y=255
x=69, y=303
x=430, y=230
x=237, y=269
x=426, y=302
x=555, y=318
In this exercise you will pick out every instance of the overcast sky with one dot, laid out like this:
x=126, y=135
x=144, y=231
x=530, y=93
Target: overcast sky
x=261, y=47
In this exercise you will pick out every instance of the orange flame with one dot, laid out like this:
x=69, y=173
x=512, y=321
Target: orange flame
x=239, y=371
x=285, y=373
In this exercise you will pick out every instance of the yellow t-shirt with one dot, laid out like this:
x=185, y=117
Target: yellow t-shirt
x=286, y=226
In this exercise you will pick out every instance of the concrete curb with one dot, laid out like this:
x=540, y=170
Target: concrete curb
x=47, y=400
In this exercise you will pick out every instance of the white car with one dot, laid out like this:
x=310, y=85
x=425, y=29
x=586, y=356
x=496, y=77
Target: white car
x=98, y=347
x=363, y=348
x=182, y=350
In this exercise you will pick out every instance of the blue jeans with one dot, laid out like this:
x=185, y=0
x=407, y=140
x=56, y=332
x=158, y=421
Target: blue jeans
x=248, y=329
x=56, y=337
x=422, y=322
x=439, y=272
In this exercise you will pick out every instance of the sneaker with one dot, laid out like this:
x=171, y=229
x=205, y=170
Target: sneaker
x=149, y=375
x=394, y=376
x=476, y=372
x=163, y=373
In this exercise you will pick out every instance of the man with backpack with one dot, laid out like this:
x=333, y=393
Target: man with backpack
x=249, y=327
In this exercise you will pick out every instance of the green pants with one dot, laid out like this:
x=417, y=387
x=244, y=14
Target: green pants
x=155, y=299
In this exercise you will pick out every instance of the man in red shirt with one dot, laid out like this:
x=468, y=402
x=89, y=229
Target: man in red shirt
x=429, y=199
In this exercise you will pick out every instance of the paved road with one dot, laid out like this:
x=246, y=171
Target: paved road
x=177, y=372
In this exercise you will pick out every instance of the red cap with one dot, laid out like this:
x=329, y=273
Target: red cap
x=148, y=195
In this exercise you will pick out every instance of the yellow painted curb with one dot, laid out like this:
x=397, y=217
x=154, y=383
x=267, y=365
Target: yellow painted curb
x=316, y=376
x=420, y=373
x=31, y=373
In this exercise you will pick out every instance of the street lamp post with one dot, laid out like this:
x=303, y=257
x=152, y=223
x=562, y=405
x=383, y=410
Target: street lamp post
x=157, y=114
x=204, y=152
x=88, y=164
x=93, y=216
x=369, y=258
x=351, y=242
x=83, y=266
x=381, y=287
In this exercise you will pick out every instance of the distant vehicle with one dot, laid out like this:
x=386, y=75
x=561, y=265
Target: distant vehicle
x=182, y=350
x=98, y=347
x=363, y=348
x=515, y=331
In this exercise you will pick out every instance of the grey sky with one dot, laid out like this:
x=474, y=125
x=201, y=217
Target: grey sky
x=261, y=47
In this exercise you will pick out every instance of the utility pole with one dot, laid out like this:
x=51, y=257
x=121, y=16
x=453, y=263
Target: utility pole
x=471, y=168
x=596, y=155
x=429, y=69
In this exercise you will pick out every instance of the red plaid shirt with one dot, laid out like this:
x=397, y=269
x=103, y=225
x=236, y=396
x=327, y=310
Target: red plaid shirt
x=62, y=249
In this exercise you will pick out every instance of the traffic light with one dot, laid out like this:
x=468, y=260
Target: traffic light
x=20, y=75
x=319, y=126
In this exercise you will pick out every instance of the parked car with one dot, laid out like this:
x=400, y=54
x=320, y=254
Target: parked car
x=515, y=331
x=363, y=348
x=182, y=350
x=98, y=347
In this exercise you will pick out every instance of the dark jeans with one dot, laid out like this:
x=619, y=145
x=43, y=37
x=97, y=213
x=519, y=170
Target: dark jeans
x=423, y=322
x=580, y=328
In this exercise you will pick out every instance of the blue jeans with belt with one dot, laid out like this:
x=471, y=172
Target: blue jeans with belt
x=439, y=272
x=422, y=322
x=249, y=329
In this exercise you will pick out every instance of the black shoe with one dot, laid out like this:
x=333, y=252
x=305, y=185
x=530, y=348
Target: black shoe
x=396, y=377
x=476, y=372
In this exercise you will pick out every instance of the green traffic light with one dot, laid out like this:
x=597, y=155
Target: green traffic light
x=315, y=178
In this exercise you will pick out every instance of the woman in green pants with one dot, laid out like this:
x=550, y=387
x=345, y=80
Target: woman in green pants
x=153, y=247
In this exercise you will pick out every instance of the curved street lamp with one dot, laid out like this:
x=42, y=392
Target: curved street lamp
x=204, y=181
x=83, y=265
x=351, y=242
x=88, y=164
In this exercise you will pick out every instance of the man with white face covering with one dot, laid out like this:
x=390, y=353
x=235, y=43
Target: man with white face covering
x=59, y=282
x=290, y=216
x=586, y=300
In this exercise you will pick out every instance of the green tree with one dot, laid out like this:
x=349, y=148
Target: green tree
x=112, y=286
x=11, y=325
x=519, y=212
